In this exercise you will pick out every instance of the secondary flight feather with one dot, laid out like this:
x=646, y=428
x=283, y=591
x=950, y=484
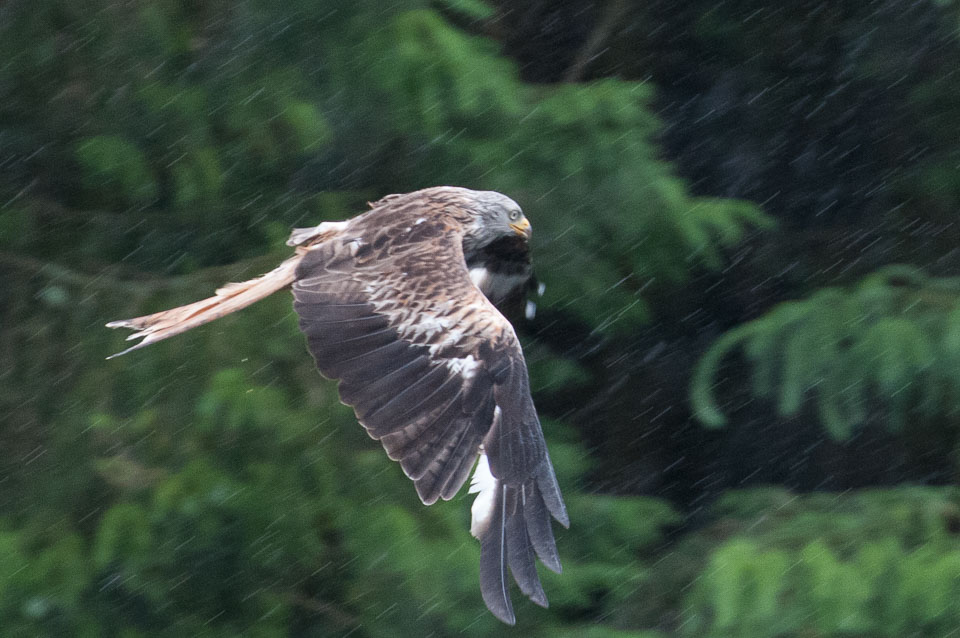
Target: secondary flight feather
x=400, y=304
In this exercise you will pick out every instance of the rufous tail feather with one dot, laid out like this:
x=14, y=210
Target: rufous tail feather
x=228, y=299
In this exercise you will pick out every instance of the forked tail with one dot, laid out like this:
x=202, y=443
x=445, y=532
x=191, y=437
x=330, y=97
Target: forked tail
x=229, y=298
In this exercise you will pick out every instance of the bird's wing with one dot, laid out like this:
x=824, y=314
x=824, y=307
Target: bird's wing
x=436, y=374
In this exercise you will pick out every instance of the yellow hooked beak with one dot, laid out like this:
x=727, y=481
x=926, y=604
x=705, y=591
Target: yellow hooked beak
x=522, y=227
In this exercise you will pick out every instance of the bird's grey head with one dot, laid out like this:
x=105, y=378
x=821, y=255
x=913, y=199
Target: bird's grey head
x=494, y=216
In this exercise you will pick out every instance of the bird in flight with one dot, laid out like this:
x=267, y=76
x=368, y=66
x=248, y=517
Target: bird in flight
x=400, y=304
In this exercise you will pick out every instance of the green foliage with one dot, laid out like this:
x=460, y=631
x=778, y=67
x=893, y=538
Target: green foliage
x=914, y=517
x=115, y=171
x=827, y=565
x=123, y=535
x=596, y=631
x=880, y=590
x=892, y=339
x=475, y=9
x=15, y=227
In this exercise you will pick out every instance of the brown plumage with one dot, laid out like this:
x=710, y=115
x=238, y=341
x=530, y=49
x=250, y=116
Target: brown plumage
x=400, y=305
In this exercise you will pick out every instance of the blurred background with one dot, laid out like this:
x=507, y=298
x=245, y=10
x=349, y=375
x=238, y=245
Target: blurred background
x=747, y=358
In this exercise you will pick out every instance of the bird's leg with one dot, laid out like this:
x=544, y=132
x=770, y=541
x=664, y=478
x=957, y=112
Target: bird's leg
x=228, y=299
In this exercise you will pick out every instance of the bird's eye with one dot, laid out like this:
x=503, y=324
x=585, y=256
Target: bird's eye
x=514, y=215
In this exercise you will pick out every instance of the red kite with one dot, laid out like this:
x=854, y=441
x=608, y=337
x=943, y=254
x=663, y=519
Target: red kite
x=400, y=304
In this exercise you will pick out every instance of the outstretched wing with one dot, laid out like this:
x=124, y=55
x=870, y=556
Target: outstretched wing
x=436, y=374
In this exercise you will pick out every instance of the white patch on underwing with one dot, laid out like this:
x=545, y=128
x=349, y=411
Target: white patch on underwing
x=484, y=485
x=419, y=221
x=433, y=323
x=466, y=366
x=427, y=327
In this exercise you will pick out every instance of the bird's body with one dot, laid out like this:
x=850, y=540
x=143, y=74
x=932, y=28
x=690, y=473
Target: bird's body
x=400, y=304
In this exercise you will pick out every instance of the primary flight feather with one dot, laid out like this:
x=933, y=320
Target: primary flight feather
x=401, y=305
